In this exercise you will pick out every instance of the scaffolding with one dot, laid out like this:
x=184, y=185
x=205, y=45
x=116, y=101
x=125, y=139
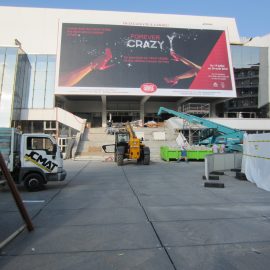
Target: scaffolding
x=190, y=130
x=198, y=109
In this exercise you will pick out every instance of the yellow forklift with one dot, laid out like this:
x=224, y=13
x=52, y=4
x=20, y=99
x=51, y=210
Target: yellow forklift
x=128, y=146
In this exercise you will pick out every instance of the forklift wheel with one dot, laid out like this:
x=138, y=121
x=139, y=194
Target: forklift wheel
x=139, y=161
x=146, y=160
x=33, y=182
x=120, y=159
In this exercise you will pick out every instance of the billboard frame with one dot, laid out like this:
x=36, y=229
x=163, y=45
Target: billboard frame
x=120, y=91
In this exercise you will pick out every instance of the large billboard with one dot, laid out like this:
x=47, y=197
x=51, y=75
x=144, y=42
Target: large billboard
x=95, y=59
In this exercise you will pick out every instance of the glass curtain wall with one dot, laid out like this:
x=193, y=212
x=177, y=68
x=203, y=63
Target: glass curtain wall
x=8, y=63
x=246, y=62
x=42, y=79
x=21, y=84
x=26, y=82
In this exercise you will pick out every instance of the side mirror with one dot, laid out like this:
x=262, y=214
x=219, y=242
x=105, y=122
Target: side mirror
x=108, y=148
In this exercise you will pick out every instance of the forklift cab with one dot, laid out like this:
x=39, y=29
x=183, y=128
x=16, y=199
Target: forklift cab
x=122, y=138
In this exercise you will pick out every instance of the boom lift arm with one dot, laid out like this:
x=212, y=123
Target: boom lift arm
x=130, y=130
x=215, y=133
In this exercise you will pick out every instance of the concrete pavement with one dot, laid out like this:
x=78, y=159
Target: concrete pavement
x=142, y=217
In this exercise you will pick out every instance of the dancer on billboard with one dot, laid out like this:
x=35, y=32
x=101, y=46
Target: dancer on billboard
x=100, y=63
x=194, y=68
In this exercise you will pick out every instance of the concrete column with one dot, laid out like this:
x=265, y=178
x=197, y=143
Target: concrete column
x=142, y=102
x=181, y=101
x=142, y=113
x=213, y=112
x=104, y=111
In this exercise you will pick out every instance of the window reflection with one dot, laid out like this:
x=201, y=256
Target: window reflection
x=51, y=63
x=246, y=63
x=41, y=93
x=8, y=63
x=244, y=57
x=41, y=64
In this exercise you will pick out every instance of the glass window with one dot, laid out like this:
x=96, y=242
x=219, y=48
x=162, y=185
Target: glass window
x=41, y=64
x=40, y=80
x=122, y=137
x=50, y=82
x=50, y=125
x=245, y=57
x=49, y=95
x=31, y=88
x=39, y=143
x=32, y=60
x=10, y=63
x=51, y=63
x=38, y=101
x=2, y=60
x=27, y=88
x=6, y=102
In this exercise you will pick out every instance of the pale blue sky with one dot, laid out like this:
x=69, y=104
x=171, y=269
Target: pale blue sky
x=252, y=17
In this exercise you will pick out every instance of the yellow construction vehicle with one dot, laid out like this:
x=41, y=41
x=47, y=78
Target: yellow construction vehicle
x=128, y=146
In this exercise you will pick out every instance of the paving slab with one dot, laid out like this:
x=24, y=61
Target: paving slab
x=250, y=256
x=146, y=259
x=68, y=194
x=122, y=215
x=210, y=232
x=94, y=201
x=246, y=197
x=211, y=211
x=12, y=221
x=84, y=238
x=99, y=184
x=34, y=202
x=99, y=219
x=181, y=198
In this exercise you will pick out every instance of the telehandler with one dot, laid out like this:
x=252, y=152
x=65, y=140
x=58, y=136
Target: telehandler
x=128, y=146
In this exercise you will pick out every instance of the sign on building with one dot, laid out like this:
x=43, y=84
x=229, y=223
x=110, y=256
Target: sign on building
x=97, y=59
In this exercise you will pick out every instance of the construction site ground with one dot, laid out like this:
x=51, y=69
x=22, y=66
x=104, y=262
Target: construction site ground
x=139, y=217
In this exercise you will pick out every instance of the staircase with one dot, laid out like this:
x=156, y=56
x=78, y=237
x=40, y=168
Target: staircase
x=90, y=146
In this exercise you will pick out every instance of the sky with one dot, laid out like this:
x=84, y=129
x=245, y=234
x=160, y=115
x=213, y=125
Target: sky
x=252, y=17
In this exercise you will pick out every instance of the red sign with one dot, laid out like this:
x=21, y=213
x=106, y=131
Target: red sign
x=148, y=87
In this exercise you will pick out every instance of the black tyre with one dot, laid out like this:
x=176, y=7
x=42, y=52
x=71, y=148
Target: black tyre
x=120, y=159
x=34, y=182
x=146, y=159
x=139, y=160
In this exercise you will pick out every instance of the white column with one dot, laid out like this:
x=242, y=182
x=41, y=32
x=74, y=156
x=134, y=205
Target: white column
x=142, y=102
x=213, y=112
x=180, y=102
x=104, y=111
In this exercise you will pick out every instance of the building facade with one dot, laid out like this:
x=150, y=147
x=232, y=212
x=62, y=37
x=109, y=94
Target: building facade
x=30, y=56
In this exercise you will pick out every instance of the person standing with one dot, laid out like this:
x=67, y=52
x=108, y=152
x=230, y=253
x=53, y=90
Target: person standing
x=222, y=148
x=183, y=154
x=215, y=148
